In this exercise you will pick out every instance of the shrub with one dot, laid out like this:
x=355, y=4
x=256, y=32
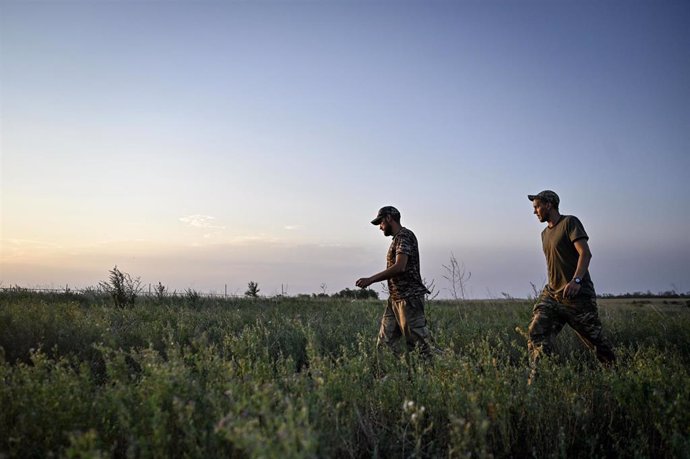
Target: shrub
x=359, y=294
x=122, y=288
x=303, y=378
x=252, y=290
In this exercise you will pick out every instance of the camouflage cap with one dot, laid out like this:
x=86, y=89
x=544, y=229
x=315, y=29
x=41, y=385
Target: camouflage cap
x=383, y=211
x=546, y=196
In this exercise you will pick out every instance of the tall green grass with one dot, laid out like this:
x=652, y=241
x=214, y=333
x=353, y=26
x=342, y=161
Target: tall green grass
x=302, y=378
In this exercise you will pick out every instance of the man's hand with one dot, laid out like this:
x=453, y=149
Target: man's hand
x=363, y=282
x=571, y=289
x=397, y=268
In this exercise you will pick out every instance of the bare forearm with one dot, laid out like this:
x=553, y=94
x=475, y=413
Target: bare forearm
x=386, y=274
x=572, y=288
x=582, y=265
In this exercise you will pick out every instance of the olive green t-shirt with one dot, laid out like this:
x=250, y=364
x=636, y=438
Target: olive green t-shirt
x=561, y=255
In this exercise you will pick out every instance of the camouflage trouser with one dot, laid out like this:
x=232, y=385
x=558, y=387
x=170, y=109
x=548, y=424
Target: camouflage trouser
x=550, y=315
x=405, y=318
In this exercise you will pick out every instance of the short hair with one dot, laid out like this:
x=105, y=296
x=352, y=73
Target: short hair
x=550, y=201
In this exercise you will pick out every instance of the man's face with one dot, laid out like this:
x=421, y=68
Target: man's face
x=385, y=226
x=541, y=210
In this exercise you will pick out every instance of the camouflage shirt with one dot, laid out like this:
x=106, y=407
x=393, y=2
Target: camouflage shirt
x=562, y=257
x=408, y=283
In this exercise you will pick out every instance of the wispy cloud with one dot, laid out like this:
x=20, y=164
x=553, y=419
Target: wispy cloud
x=17, y=248
x=259, y=238
x=292, y=227
x=201, y=221
x=31, y=243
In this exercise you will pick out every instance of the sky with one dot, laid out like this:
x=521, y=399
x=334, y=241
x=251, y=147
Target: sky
x=206, y=144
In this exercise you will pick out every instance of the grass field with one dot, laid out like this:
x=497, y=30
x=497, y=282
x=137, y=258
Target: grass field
x=302, y=378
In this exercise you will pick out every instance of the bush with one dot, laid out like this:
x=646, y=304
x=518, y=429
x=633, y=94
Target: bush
x=359, y=294
x=122, y=288
x=252, y=290
x=303, y=378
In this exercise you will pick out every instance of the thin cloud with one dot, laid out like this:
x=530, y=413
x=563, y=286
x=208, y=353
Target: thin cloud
x=201, y=221
x=255, y=239
x=18, y=248
x=32, y=243
x=292, y=227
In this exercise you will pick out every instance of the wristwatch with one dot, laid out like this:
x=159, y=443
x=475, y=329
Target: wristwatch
x=577, y=280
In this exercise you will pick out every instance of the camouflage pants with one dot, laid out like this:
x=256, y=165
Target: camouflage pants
x=550, y=315
x=405, y=318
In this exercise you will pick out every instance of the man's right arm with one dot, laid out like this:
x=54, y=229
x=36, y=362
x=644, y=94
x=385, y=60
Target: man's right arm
x=397, y=268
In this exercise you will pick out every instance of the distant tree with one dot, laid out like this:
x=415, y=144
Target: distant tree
x=121, y=287
x=252, y=290
x=359, y=294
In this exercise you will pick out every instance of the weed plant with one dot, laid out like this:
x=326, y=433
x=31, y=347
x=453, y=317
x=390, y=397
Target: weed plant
x=189, y=376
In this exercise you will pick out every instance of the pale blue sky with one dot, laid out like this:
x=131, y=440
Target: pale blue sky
x=202, y=143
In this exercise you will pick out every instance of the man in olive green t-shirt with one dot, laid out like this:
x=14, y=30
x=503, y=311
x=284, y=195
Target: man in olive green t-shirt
x=569, y=297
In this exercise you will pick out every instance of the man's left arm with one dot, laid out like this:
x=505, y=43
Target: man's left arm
x=585, y=255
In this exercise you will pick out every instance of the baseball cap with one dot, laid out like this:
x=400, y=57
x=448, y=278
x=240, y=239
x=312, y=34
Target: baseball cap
x=546, y=196
x=383, y=211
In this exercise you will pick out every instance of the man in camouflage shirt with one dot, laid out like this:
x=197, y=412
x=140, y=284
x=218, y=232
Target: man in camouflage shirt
x=404, y=314
x=569, y=296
